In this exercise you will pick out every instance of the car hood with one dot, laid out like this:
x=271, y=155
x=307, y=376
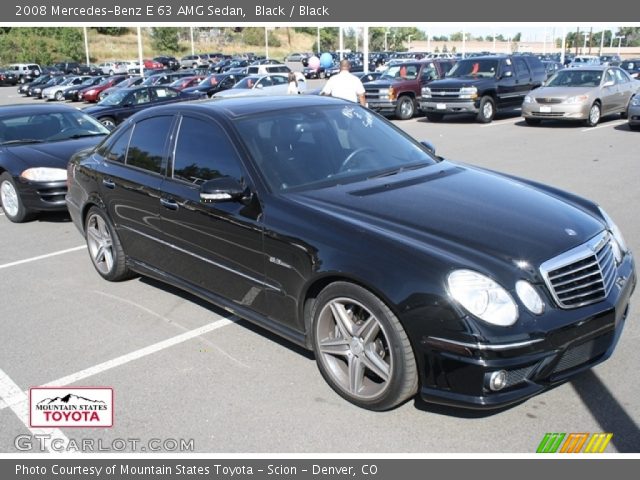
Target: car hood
x=563, y=92
x=461, y=82
x=54, y=154
x=100, y=109
x=455, y=208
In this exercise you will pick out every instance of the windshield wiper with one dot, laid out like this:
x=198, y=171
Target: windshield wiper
x=26, y=140
x=396, y=170
x=82, y=135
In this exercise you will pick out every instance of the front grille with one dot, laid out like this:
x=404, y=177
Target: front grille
x=518, y=376
x=547, y=114
x=584, y=353
x=437, y=93
x=583, y=275
x=548, y=100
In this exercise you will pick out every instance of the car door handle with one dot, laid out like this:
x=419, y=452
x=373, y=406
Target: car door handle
x=170, y=204
x=108, y=183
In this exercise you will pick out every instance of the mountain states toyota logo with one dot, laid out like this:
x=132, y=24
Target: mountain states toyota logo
x=52, y=407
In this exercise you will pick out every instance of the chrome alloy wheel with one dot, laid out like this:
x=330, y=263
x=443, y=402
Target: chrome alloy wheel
x=9, y=198
x=354, y=348
x=594, y=114
x=487, y=110
x=100, y=244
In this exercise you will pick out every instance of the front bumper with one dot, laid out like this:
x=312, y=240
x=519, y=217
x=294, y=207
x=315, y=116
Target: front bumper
x=457, y=373
x=556, y=111
x=381, y=106
x=448, y=106
x=42, y=196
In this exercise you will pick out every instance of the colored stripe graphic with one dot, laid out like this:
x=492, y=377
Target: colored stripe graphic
x=550, y=443
x=574, y=442
x=598, y=442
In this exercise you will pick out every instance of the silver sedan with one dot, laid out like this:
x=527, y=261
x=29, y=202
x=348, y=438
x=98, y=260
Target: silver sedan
x=586, y=94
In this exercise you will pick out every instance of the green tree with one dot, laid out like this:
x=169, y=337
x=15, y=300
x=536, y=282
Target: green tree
x=631, y=36
x=113, y=31
x=165, y=39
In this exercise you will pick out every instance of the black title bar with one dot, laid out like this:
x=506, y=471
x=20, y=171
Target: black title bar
x=321, y=12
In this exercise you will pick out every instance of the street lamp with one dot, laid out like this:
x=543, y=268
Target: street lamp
x=409, y=42
x=619, y=37
x=386, y=33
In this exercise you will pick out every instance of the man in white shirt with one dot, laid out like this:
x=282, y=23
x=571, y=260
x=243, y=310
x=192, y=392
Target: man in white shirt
x=345, y=85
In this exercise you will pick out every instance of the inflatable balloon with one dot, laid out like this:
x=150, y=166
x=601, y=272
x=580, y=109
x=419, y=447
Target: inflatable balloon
x=314, y=63
x=326, y=60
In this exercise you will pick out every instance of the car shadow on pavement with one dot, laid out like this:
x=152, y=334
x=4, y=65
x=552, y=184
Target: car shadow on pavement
x=625, y=128
x=223, y=313
x=53, y=217
x=468, y=118
x=608, y=412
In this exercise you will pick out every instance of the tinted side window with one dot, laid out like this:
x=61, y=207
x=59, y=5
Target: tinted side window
x=203, y=152
x=116, y=151
x=522, y=70
x=147, y=145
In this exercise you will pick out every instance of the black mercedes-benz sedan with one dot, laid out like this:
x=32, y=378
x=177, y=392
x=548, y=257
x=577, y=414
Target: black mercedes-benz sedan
x=321, y=221
x=36, y=143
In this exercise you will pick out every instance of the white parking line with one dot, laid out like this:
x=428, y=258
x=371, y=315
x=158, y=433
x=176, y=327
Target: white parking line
x=123, y=359
x=12, y=396
x=509, y=121
x=42, y=257
x=605, y=125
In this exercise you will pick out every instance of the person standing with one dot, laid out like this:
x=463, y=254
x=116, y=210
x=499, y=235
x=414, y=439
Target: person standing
x=345, y=85
x=292, y=89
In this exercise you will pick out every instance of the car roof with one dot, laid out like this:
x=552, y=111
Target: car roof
x=35, y=109
x=235, y=107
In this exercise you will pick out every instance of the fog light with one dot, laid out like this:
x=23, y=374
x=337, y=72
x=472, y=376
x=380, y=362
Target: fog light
x=498, y=380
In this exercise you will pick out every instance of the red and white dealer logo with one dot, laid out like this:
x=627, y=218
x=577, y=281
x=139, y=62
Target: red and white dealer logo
x=53, y=407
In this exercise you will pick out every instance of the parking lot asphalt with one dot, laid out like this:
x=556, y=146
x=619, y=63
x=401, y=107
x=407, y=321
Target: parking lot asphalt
x=184, y=369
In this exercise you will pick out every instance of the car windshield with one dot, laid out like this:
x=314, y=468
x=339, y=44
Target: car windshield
x=114, y=99
x=327, y=146
x=575, y=78
x=474, y=68
x=211, y=80
x=248, y=82
x=400, y=71
x=48, y=127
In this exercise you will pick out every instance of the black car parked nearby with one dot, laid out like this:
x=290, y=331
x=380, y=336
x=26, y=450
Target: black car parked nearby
x=125, y=102
x=36, y=142
x=215, y=83
x=323, y=222
x=73, y=93
x=8, y=77
x=483, y=86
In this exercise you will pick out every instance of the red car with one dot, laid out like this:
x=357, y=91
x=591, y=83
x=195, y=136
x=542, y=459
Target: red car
x=91, y=94
x=186, y=82
x=152, y=64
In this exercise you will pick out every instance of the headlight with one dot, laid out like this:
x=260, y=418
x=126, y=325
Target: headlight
x=577, y=99
x=44, y=174
x=426, y=92
x=482, y=297
x=468, y=92
x=529, y=99
x=635, y=101
x=384, y=92
x=619, y=245
x=529, y=297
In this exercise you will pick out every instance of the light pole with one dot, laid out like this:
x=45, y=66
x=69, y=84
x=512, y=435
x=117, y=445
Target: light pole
x=386, y=33
x=409, y=43
x=619, y=37
x=86, y=44
x=266, y=43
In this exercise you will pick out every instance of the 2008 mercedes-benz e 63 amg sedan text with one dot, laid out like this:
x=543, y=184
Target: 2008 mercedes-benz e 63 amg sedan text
x=321, y=221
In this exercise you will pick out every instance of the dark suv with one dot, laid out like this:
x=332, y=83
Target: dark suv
x=483, y=86
x=398, y=88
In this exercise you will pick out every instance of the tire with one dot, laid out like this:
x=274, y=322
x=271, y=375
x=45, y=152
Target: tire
x=369, y=363
x=593, y=117
x=434, y=117
x=59, y=96
x=532, y=121
x=22, y=80
x=105, y=249
x=405, y=108
x=108, y=122
x=487, y=110
x=12, y=204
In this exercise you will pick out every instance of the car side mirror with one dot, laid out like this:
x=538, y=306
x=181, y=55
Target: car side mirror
x=429, y=146
x=222, y=189
x=609, y=83
x=260, y=86
x=507, y=74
